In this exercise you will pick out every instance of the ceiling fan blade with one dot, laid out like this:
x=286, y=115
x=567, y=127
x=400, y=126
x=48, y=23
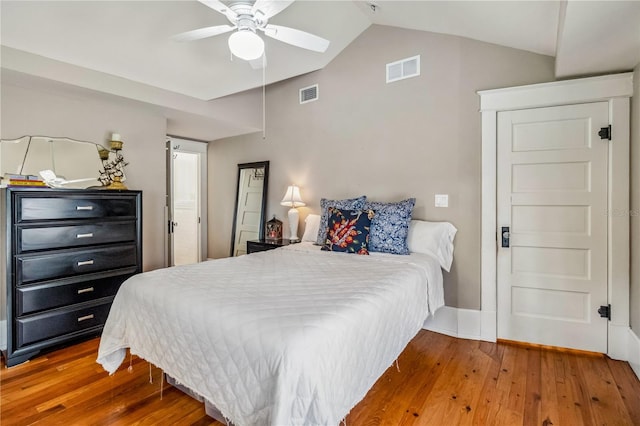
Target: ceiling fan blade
x=203, y=33
x=258, y=64
x=270, y=7
x=218, y=6
x=297, y=38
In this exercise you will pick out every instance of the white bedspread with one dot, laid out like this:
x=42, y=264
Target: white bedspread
x=290, y=336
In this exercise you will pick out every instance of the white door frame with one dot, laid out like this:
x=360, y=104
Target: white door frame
x=197, y=147
x=615, y=89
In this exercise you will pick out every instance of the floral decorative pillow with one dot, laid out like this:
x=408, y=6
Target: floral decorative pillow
x=348, y=230
x=348, y=204
x=390, y=226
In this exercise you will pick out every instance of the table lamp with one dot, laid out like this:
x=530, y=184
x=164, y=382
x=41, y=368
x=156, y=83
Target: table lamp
x=292, y=199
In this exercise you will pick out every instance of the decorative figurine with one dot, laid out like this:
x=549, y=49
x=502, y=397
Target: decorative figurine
x=273, y=230
x=113, y=172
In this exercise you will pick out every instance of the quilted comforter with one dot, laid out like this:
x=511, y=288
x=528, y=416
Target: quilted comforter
x=292, y=336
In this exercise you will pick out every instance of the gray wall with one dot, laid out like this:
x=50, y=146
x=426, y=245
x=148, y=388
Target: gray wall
x=635, y=203
x=38, y=107
x=412, y=138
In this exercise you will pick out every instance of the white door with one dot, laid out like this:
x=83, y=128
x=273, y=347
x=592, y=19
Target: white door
x=186, y=208
x=186, y=201
x=552, y=194
x=249, y=210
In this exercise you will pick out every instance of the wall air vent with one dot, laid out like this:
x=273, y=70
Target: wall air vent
x=405, y=68
x=309, y=94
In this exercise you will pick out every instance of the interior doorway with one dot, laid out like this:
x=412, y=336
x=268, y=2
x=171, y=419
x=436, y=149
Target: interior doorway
x=615, y=90
x=186, y=201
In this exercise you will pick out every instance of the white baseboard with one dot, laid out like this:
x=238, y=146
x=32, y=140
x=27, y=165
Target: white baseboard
x=489, y=326
x=618, y=342
x=463, y=323
x=3, y=334
x=634, y=352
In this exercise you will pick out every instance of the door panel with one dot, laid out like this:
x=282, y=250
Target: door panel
x=550, y=177
x=566, y=220
x=551, y=135
x=552, y=192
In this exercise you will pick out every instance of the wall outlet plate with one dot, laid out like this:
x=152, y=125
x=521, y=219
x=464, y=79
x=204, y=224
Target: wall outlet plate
x=442, y=200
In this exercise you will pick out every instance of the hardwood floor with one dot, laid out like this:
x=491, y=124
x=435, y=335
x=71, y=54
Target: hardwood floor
x=442, y=381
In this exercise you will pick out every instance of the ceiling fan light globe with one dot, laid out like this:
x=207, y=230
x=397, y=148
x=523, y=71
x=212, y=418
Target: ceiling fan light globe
x=246, y=45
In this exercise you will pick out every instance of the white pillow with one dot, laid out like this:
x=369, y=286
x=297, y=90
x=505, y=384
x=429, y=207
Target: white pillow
x=434, y=238
x=312, y=225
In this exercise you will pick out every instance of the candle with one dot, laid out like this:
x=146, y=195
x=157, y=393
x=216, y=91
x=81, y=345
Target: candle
x=115, y=136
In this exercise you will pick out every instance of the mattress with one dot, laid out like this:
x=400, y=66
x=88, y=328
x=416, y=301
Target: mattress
x=289, y=336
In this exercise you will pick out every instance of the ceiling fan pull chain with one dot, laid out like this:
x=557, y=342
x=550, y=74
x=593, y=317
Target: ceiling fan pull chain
x=264, y=82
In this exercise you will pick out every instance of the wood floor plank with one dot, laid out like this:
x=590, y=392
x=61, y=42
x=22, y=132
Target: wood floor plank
x=442, y=381
x=457, y=393
x=512, y=383
x=533, y=390
x=606, y=402
x=490, y=395
x=568, y=403
x=628, y=386
x=412, y=382
x=549, y=414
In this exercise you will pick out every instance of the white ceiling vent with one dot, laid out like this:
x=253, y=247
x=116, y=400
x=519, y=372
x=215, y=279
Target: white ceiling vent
x=309, y=94
x=405, y=68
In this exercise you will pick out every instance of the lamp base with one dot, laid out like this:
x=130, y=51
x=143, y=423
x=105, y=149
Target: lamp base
x=294, y=217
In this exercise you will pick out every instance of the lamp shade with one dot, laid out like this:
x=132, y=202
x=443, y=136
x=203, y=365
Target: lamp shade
x=292, y=197
x=246, y=44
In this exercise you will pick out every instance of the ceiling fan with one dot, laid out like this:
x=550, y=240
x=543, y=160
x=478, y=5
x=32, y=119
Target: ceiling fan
x=247, y=18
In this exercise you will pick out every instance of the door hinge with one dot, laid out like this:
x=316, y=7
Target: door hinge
x=605, y=311
x=605, y=132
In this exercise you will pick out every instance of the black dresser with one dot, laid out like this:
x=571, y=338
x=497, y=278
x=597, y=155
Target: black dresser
x=65, y=254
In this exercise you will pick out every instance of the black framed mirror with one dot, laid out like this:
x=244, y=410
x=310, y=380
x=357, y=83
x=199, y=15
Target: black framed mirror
x=251, y=205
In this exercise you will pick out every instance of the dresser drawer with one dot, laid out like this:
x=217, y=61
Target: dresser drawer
x=40, y=297
x=52, y=237
x=74, y=207
x=32, y=268
x=56, y=323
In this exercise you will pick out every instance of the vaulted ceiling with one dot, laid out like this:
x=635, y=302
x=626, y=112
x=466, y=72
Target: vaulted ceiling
x=125, y=47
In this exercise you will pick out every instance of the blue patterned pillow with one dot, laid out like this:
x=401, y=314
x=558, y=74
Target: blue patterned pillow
x=348, y=230
x=348, y=204
x=390, y=226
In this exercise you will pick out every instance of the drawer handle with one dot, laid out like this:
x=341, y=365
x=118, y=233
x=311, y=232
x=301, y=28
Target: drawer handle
x=84, y=207
x=85, y=262
x=86, y=317
x=85, y=290
x=87, y=235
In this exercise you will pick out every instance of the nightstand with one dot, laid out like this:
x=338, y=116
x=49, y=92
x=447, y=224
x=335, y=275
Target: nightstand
x=264, y=245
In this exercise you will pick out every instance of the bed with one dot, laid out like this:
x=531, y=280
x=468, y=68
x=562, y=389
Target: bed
x=290, y=336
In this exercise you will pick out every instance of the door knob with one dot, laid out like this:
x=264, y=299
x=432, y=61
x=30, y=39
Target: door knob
x=505, y=236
